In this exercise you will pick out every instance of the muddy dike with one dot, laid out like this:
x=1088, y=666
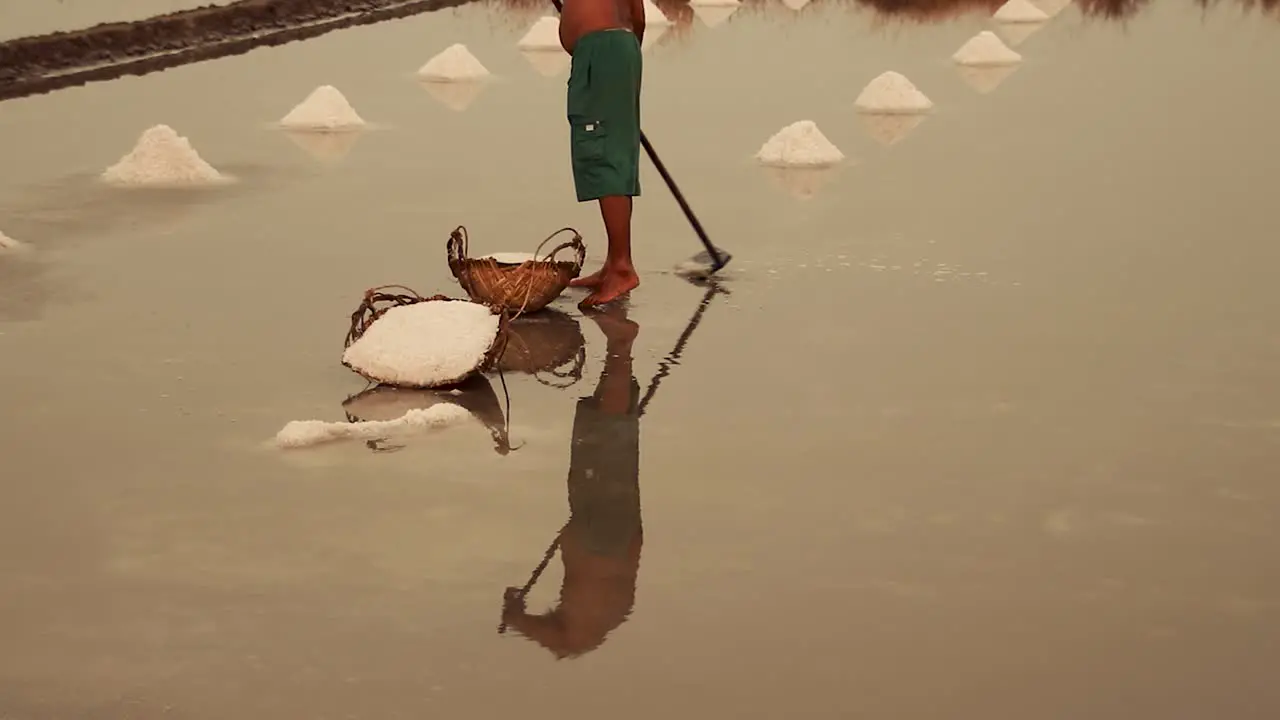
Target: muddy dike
x=43, y=63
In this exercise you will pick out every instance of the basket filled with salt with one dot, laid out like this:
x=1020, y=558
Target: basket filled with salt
x=517, y=282
x=403, y=339
x=548, y=342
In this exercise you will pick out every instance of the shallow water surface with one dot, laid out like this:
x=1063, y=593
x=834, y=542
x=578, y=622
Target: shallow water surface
x=986, y=425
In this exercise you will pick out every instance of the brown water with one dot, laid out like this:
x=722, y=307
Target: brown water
x=989, y=426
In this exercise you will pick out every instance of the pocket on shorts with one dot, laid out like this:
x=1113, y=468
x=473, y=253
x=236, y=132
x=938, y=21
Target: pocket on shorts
x=588, y=140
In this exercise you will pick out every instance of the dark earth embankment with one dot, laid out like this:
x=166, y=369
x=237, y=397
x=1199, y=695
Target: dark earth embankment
x=38, y=64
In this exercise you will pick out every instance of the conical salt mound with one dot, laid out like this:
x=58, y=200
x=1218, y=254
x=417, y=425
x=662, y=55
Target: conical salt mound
x=1019, y=11
x=800, y=144
x=986, y=48
x=544, y=35
x=162, y=157
x=325, y=109
x=653, y=15
x=714, y=15
x=892, y=92
x=454, y=64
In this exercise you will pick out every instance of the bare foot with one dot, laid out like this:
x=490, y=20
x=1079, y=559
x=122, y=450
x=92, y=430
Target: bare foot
x=591, y=281
x=613, y=285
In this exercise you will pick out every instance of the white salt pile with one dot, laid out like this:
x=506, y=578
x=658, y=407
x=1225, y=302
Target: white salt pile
x=304, y=433
x=162, y=157
x=715, y=15
x=892, y=92
x=1019, y=11
x=654, y=16
x=453, y=64
x=544, y=35
x=986, y=48
x=427, y=344
x=325, y=109
x=800, y=144
x=508, y=258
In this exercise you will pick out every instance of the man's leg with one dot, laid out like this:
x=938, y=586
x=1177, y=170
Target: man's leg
x=617, y=276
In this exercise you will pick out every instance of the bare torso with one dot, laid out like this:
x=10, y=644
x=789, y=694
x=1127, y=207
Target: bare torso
x=580, y=17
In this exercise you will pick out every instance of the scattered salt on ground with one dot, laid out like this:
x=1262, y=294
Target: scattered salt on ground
x=1019, y=11
x=426, y=344
x=714, y=15
x=544, y=35
x=653, y=15
x=986, y=48
x=892, y=92
x=509, y=258
x=800, y=144
x=162, y=157
x=454, y=64
x=303, y=433
x=8, y=244
x=325, y=109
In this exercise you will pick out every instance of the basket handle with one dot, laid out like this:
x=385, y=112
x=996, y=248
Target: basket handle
x=456, y=249
x=575, y=243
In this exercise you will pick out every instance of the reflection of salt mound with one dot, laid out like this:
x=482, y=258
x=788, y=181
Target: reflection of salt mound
x=548, y=63
x=9, y=245
x=714, y=15
x=1051, y=8
x=796, y=5
x=456, y=96
x=544, y=35
x=801, y=183
x=652, y=36
x=1019, y=11
x=800, y=144
x=986, y=79
x=453, y=64
x=985, y=48
x=427, y=344
x=329, y=147
x=890, y=129
x=653, y=15
x=508, y=258
x=325, y=109
x=303, y=433
x=891, y=92
x=162, y=157
x=715, y=3
x=1015, y=34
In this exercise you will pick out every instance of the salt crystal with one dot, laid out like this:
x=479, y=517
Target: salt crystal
x=800, y=144
x=653, y=15
x=891, y=92
x=427, y=344
x=508, y=258
x=985, y=48
x=304, y=433
x=453, y=64
x=1019, y=11
x=8, y=244
x=162, y=157
x=715, y=15
x=544, y=35
x=325, y=109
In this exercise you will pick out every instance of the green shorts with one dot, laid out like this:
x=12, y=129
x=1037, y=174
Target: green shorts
x=604, y=114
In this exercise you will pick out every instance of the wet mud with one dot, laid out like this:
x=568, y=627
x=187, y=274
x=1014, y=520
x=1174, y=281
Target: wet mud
x=43, y=63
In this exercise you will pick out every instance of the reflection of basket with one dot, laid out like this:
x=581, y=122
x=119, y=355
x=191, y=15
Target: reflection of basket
x=376, y=302
x=545, y=343
x=519, y=287
x=476, y=395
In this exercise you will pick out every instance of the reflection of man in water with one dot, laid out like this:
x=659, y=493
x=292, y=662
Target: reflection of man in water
x=600, y=546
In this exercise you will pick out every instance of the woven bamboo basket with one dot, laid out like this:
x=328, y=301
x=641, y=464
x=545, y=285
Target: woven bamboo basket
x=379, y=300
x=548, y=343
x=518, y=288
